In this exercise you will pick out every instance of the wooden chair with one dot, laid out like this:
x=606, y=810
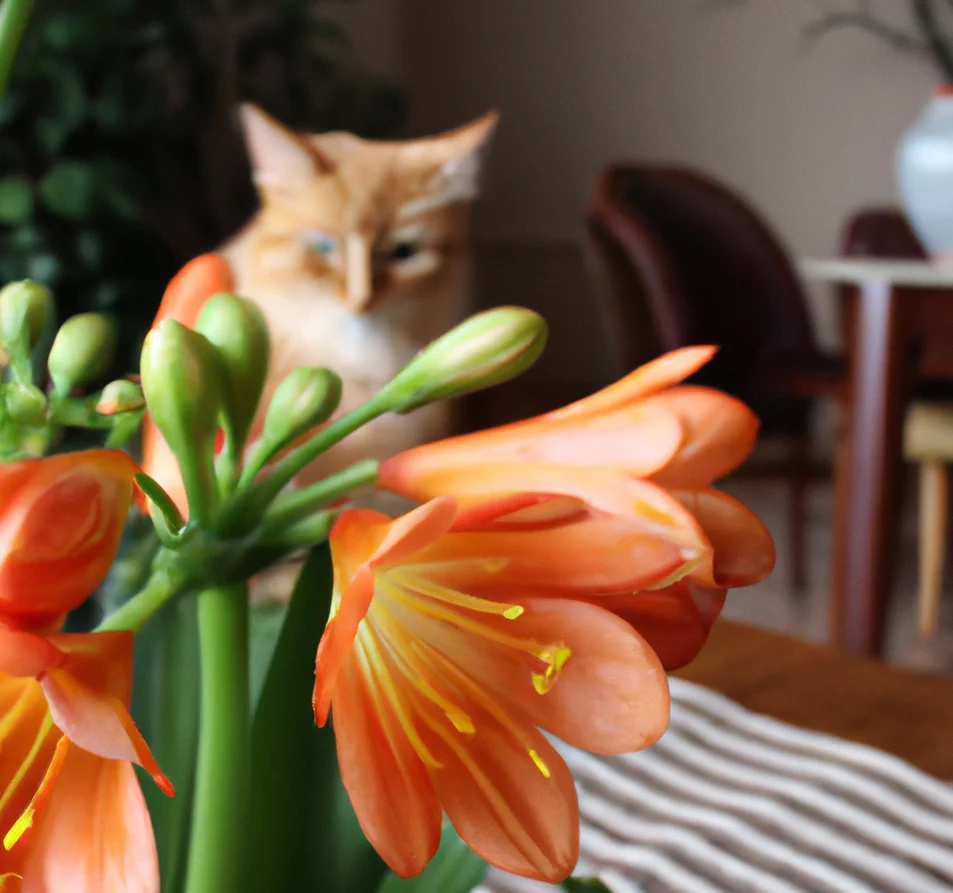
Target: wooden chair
x=928, y=426
x=684, y=260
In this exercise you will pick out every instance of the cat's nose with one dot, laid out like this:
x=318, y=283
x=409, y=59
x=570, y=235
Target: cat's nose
x=359, y=272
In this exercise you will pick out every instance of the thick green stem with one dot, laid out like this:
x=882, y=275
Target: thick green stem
x=14, y=14
x=221, y=783
x=134, y=614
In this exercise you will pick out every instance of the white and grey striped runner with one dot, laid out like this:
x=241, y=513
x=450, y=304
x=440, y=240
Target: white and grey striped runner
x=733, y=802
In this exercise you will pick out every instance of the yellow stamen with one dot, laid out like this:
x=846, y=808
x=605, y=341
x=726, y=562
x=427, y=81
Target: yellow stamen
x=415, y=674
x=487, y=565
x=20, y=827
x=485, y=700
x=543, y=682
x=375, y=667
x=538, y=760
x=28, y=761
x=449, y=596
x=15, y=713
x=545, y=653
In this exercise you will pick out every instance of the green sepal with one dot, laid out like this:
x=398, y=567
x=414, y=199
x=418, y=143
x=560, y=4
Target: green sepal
x=182, y=382
x=82, y=351
x=238, y=331
x=484, y=350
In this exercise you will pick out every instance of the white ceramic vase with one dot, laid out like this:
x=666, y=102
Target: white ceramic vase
x=925, y=174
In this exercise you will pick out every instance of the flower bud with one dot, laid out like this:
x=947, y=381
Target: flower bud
x=61, y=523
x=24, y=308
x=119, y=396
x=305, y=398
x=26, y=403
x=182, y=382
x=81, y=352
x=236, y=328
x=486, y=349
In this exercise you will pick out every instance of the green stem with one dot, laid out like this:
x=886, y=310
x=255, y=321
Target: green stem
x=14, y=15
x=296, y=506
x=134, y=614
x=219, y=812
x=252, y=504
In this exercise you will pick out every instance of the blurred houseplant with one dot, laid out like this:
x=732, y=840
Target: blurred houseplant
x=119, y=153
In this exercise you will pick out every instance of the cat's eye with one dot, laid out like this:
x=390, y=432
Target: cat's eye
x=405, y=249
x=322, y=243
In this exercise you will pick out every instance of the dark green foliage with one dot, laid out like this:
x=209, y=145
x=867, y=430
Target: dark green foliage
x=120, y=156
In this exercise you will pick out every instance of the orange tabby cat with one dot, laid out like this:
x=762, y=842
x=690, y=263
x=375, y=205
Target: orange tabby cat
x=358, y=258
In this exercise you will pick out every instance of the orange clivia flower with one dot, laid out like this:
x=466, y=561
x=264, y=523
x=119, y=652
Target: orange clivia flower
x=450, y=648
x=61, y=519
x=643, y=451
x=72, y=814
x=200, y=279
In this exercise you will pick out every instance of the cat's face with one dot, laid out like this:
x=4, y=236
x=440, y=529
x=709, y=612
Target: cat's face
x=367, y=221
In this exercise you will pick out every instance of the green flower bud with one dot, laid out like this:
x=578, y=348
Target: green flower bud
x=488, y=348
x=25, y=403
x=237, y=329
x=81, y=352
x=182, y=382
x=119, y=396
x=307, y=397
x=24, y=309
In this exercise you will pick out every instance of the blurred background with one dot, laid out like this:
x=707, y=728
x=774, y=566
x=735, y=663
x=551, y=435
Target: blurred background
x=664, y=172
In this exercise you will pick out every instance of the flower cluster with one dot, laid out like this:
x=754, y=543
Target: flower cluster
x=556, y=568
x=72, y=814
x=551, y=574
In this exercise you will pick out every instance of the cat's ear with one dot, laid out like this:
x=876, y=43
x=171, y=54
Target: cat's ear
x=451, y=160
x=280, y=158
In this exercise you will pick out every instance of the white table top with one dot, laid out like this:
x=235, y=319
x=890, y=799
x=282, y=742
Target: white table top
x=862, y=271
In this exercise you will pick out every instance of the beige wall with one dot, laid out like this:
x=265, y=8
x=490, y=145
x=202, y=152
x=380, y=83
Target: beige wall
x=808, y=133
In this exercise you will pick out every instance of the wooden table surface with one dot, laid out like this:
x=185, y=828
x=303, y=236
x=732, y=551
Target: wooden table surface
x=905, y=713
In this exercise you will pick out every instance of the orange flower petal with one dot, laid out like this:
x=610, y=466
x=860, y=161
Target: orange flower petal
x=159, y=462
x=98, y=723
x=674, y=621
x=743, y=549
x=388, y=786
x=25, y=655
x=60, y=530
x=511, y=799
x=639, y=440
x=720, y=432
x=16, y=838
x=596, y=554
x=95, y=835
x=610, y=697
x=200, y=279
x=360, y=540
x=662, y=372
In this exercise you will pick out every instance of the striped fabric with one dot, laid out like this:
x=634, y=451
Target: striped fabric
x=733, y=802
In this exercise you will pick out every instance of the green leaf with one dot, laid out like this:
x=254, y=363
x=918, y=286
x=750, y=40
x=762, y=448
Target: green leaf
x=16, y=199
x=165, y=705
x=303, y=835
x=266, y=621
x=69, y=189
x=585, y=885
x=455, y=869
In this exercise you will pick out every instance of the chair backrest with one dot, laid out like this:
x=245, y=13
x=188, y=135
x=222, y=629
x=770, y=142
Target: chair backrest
x=880, y=232
x=702, y=262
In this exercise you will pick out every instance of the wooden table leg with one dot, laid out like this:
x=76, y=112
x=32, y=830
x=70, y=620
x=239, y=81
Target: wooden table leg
x=867, y=510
